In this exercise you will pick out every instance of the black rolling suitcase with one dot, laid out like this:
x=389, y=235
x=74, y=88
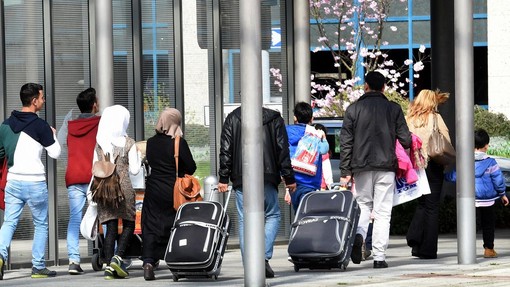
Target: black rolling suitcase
x=323, y=231
x=198, y=239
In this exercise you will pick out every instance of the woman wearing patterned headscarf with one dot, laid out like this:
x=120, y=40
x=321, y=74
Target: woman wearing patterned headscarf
x=158, y=213
x=112, y=138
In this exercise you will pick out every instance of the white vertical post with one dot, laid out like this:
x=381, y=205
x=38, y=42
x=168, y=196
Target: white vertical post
x=104, y=52
x=464, y=123
x=251, y=127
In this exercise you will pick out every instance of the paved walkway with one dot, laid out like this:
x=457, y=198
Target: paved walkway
x=404, y=270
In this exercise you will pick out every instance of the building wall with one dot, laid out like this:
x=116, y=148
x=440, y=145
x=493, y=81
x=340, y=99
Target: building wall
x=498, y=24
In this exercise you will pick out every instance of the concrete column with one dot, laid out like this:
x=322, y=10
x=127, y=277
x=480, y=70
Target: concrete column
x=464, y=87
x=253, y=166
x=302, y=51
x=104, y=52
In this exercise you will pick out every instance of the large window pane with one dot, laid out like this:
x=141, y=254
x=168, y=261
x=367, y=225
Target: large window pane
x=158, y=60
x=24, y=54
x=72, y=75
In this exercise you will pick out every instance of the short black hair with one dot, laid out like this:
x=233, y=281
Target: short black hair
x=86, y=100
x=481, y=138
x=321, y=127
x=303, y=112
x=375, y=81
x=28, y=92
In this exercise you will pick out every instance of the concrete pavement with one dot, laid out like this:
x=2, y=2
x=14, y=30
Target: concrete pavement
x=404, y=270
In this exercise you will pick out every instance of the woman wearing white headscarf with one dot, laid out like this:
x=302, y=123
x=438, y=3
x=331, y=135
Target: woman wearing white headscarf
x=112, y=138
x=158, y=213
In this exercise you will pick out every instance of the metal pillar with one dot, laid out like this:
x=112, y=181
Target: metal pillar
x=302, y=65
x=104, y=52
x=464, y=79
x=251, y=129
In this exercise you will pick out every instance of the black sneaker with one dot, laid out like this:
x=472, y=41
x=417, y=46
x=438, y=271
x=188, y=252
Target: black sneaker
x=357, y=254
x=75, y=269
x=380, y=264
x=2, y=267
x=42, y=273
x=269, y=270
x=118, y=265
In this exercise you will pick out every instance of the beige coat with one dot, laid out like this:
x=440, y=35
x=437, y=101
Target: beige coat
x=424, y=132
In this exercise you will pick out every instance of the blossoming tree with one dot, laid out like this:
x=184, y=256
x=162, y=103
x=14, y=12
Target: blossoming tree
x=352, y=31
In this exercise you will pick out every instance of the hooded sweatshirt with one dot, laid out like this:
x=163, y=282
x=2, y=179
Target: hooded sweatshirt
x=81, y=140
x=23, y=136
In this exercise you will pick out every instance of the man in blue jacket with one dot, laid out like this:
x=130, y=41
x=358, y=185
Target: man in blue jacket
x=305, y=183
x=371, y=127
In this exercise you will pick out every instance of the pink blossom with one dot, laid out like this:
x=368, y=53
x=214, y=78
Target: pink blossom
x=422, y=49
x=418, y=66
x=393, y=28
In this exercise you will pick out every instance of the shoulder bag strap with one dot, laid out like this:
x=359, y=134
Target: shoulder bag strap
x=177, y=139
x=435, y=127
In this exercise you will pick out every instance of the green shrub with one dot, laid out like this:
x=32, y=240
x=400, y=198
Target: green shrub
x=197, y=135
x=496, y=124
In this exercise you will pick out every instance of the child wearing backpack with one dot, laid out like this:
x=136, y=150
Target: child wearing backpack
x=489, y=187
x=113, y=142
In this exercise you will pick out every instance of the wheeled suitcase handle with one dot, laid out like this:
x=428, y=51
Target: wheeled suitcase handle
x=215, y=189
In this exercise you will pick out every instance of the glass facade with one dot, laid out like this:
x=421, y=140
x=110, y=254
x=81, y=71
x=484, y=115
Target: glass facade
x=189, y=58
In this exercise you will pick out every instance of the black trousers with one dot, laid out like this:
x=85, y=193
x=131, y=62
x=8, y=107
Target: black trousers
x=487, y=216
x=424, y=228
x=128, y=227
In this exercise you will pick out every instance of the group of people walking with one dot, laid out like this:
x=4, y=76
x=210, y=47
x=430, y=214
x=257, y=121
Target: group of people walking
x=371, y=128
x=24, y=135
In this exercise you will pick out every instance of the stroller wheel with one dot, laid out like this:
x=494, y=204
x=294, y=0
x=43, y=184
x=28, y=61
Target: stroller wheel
x=97, y=263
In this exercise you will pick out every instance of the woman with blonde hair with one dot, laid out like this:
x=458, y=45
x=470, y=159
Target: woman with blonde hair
x=423, y=230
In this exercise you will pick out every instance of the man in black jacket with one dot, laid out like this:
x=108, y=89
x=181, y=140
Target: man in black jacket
x=276, y=165
x=371, y=127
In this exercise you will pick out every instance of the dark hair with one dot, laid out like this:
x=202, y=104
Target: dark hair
x=303, y=112
x=375, y=81
x=28, y=92
x=481, y=138
x=86, y=100
x=321, y=127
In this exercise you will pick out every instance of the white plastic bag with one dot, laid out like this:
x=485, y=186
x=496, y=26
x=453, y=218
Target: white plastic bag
x=89, y=222
x=306, y=156
x=405, y=192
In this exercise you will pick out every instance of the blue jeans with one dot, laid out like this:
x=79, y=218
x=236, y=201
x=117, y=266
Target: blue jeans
x=77, y=196
x=272, y=218
x=17, y=194
x=298, y=194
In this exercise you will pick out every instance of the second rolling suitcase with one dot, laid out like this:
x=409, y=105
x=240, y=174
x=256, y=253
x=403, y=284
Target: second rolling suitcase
x=323, y=231
x=198, y=240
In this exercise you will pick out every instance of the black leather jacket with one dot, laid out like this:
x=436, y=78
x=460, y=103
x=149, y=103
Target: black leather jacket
x=370, y=129
x=275, y=149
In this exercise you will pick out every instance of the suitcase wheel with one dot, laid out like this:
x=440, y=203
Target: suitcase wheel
x=296, y=268
x=176, y=277
x=215, y=277
x=97, y=264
